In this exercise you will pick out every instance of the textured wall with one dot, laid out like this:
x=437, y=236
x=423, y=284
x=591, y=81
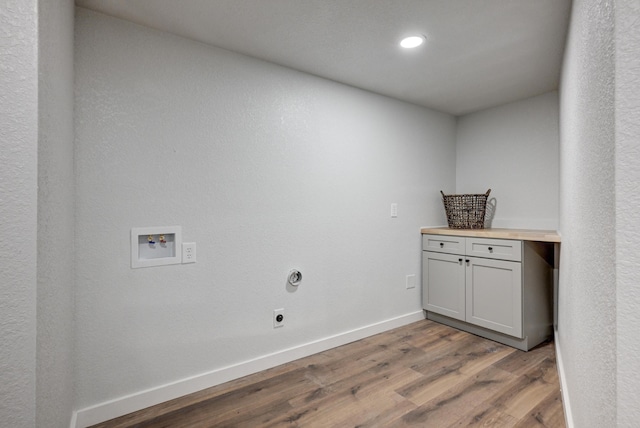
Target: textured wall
x=266, y=169
x=587, y=295
x=514, y=150
x=18, y=204
x=627, y=32
x=54, y=375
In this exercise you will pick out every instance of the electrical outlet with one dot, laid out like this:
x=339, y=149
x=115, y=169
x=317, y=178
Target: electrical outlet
x=394, y=210
x=188, y=252
x=278, y=318
x=411, y=281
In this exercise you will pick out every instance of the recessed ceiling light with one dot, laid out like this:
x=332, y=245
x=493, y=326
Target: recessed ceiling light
x=412, y=42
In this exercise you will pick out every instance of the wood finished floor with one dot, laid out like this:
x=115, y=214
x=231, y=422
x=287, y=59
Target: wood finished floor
x=424, y=374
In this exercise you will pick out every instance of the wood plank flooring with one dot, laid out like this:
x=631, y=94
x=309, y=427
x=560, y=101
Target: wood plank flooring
x=424, y=374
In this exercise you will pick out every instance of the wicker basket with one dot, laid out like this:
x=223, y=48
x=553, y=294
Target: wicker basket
x=465, y=211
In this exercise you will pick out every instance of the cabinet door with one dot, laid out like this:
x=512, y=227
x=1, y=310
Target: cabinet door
x=494, y=295
x=443, y=284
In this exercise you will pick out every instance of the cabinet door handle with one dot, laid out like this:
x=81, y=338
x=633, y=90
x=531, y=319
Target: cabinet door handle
x=460, y=260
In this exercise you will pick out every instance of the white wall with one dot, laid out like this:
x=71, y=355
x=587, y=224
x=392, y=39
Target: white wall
x=266, y=169
x=18, y=208
x=627, y=181
x=55, y=311
x=587, y=296
x=513, y=150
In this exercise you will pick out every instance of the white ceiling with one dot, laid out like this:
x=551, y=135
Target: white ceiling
x=479, y=54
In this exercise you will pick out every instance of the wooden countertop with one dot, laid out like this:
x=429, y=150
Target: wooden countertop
x=520, y=234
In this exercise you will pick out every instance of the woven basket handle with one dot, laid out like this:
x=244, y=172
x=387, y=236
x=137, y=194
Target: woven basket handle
x=486, y=194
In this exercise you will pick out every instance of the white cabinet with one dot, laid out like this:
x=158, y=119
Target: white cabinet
x=496, y=288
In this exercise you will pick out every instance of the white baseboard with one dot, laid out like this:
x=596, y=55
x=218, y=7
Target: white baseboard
x=566, y=404
x=150, y=397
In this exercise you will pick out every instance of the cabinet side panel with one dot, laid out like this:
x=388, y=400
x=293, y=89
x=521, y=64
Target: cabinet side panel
x=538, y=290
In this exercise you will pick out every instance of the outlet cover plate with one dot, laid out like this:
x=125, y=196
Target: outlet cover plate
x=411, y=281
x=188, y=252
